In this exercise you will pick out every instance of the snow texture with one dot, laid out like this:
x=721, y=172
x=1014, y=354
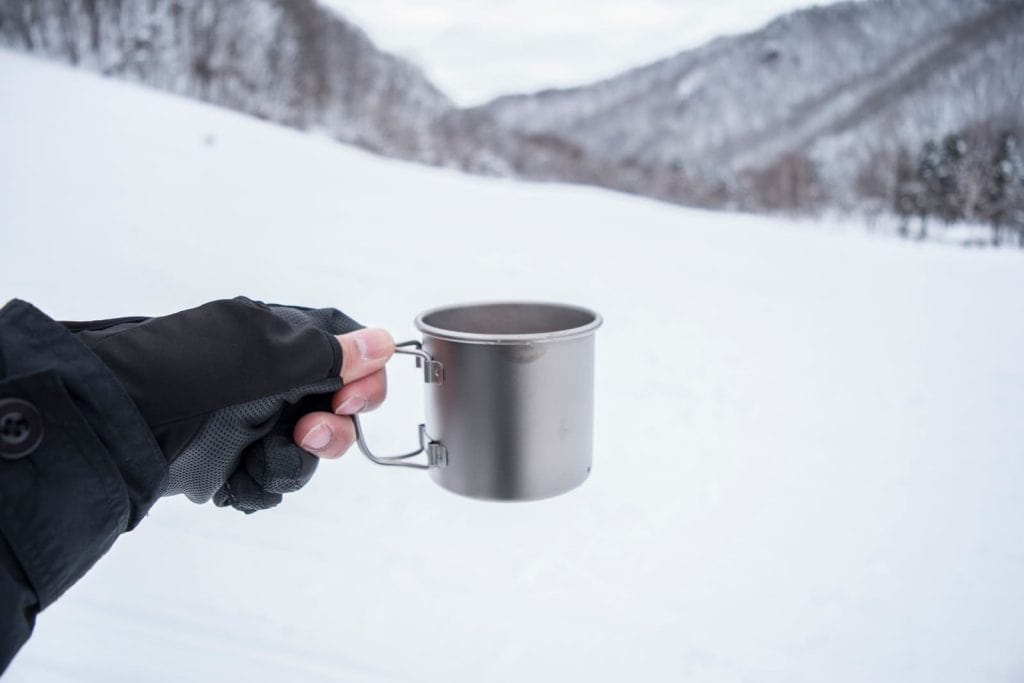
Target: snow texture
x=809, y=452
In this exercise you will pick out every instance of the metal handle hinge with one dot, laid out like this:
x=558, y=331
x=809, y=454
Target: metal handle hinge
x=433, y=371
x=437, y=454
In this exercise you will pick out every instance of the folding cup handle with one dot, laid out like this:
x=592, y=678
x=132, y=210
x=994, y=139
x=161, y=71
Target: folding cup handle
x=437, y=455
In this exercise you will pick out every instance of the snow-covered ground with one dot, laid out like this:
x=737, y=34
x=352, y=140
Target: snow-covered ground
x=809, y=445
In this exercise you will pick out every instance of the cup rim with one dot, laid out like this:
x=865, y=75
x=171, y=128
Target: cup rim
x=530, y=337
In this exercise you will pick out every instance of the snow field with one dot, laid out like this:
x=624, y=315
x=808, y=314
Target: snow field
x=809, y=454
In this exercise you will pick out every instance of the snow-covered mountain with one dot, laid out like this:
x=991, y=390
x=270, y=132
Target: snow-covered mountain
x=812, y=109
x=822, y=108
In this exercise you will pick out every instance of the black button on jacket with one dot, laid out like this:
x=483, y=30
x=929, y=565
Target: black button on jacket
x=78, y=466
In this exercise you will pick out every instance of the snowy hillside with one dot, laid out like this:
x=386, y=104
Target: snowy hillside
x=289, y=61
x=824, y=108
x=809, y=452
x=810, y=110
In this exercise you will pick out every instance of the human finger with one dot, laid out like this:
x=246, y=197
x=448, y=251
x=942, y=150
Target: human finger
x=362, y=395
x=364, y=352
x=323, y=434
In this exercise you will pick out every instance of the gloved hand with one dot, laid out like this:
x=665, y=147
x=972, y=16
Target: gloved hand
x=229, y=389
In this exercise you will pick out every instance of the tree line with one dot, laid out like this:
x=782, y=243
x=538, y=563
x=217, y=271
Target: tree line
x=975, y=176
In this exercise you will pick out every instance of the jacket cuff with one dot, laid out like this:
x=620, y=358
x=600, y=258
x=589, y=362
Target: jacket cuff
x=92, y=467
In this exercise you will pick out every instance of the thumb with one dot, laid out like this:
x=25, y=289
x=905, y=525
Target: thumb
x=364, y=352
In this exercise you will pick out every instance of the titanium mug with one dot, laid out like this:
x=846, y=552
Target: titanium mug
x=509, y=399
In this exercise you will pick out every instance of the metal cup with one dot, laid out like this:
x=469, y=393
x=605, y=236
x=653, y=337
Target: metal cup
x=509, y=399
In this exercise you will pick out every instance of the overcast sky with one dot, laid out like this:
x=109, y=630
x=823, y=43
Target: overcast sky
x=477, y=49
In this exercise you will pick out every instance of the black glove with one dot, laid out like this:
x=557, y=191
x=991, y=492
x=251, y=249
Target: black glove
x=222, y=386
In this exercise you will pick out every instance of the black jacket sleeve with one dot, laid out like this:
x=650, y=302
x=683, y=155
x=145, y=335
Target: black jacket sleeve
x=78, y=466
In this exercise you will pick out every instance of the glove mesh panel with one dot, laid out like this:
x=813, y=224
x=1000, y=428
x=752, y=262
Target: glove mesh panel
x=214, y=453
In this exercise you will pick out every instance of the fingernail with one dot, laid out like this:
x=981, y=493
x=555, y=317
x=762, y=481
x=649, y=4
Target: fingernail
x=318, y=437
x=373, y=344
x=351, y=406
